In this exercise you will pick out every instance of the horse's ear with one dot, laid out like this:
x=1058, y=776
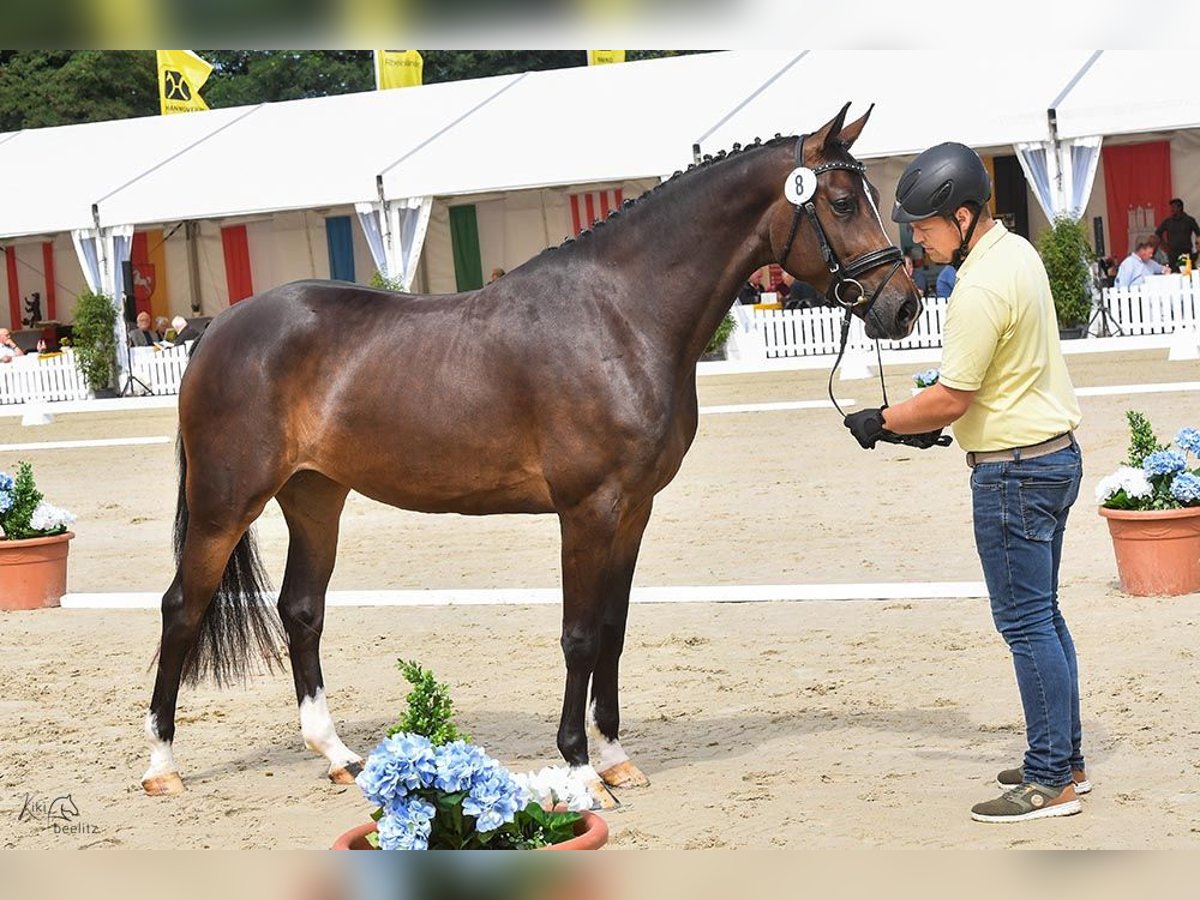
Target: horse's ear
x=850, y=133
x=832, y=129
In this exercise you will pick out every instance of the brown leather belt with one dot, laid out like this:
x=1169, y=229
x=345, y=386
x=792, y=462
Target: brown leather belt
x=1016, y=454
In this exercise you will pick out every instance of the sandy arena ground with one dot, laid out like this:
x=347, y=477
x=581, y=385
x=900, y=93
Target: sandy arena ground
x=808, y=724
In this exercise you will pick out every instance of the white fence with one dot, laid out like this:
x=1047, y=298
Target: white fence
x=1163, y=305
x=34, y=378
x=816, y=332
x=1160, y=305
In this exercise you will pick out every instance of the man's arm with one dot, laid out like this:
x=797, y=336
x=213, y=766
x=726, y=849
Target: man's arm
x=935, y=407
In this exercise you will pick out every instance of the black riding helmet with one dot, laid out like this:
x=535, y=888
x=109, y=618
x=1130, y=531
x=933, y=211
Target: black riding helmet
x=938, y=182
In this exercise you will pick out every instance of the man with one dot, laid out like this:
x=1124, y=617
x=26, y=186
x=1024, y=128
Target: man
x=946, y=280
x=183, y=330
x=1176, y=232
x=1137, y=265
x=8, y=347
x=143, y=335
x=1004, y=386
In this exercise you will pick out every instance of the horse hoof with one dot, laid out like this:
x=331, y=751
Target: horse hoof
x=602, y=798
x=624, y=775
x=164, y=785
x=345, y=774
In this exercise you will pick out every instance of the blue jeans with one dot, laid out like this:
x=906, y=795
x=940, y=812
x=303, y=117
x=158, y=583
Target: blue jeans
x=1020, y=512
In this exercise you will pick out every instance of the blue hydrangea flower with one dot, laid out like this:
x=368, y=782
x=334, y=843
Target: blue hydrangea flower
x=6, y=482
x=494, y=799
x=406, y=824
x=400, y=764
x=1164, y=462
x=1189, y=440
x=1186, y=488
x=457, y=764
x=6, y=500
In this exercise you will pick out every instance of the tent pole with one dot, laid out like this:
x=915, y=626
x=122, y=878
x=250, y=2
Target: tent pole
x=190, y=228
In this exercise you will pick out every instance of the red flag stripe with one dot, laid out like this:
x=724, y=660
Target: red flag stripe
x=593, y=206
x=14, y=287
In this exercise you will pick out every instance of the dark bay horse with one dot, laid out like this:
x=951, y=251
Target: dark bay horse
x=567, y=386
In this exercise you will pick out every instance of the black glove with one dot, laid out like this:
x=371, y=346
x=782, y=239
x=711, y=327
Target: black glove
x=867, y=427
x=922, y=441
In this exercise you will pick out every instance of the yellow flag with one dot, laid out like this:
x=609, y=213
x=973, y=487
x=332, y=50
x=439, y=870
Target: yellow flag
x=602, y=57
x=398, y=68
x=181, y=74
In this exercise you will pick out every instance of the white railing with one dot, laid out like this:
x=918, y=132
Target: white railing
x=816, y=332
x=159, y=370
x=1160, y=305
x=33, y=378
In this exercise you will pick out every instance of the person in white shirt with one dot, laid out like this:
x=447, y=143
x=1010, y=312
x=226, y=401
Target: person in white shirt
x=8, y=347
x=1137, y=266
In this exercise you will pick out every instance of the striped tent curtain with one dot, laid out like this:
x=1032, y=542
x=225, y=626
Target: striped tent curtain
x=593, y=206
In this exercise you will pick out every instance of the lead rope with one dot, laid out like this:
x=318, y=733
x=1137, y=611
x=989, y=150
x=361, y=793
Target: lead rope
x=837, y=362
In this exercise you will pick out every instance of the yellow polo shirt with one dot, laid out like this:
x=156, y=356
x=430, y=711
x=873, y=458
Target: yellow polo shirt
x=1001, y=341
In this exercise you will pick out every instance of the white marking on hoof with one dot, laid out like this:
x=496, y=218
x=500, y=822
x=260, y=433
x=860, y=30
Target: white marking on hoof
x=161, y=778
x=320, y=736
x=610, y=757
x=601, y=798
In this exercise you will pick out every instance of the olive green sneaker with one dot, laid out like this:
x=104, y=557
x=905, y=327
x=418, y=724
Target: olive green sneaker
x=1011, y=778
x=1028, y=801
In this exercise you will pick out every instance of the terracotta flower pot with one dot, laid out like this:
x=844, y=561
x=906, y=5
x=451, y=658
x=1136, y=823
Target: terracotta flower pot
x=1158, y=551
x=591, y=833
x=33, y=572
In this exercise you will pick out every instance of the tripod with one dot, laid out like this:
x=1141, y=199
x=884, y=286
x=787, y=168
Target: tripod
x=127, y=387
x=1107, y=326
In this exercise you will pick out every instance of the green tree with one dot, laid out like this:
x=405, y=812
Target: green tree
x=39, y=88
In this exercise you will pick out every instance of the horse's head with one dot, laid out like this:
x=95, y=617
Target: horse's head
x=827, y=231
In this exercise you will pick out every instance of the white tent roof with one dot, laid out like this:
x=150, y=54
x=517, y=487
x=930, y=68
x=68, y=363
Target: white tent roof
x=50, y=177
x=587, y=125
x=911, y=112
x=563, y=127
x=301, y=154
x=1127, y=91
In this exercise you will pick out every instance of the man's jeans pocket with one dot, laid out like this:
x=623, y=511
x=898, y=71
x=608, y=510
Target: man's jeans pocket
x=1043, y=504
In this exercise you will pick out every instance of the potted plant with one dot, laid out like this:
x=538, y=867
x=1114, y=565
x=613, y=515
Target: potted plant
x=1152, y=504
x=924, y=379
x=95, y=341
x=715, y=349
x=33, y=544
x=1066, y=255
x=436, y=790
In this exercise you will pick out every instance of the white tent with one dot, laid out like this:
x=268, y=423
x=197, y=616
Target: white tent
x=388, y=153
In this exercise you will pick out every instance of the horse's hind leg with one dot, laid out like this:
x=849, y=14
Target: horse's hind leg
x=604, y=719
x=312, y=506
x=206, y=551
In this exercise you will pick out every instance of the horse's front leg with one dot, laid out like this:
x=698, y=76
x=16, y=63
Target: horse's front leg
x=588, y=535
x=604, y=717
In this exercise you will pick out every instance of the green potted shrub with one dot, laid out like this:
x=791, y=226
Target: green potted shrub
x=94, y=340
x=716, y=344
x=1066, y=253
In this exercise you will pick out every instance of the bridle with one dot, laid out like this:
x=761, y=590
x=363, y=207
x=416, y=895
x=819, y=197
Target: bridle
x=842, y=275
x=848, y=274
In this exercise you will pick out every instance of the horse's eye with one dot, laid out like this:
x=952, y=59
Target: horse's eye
x=843, y=206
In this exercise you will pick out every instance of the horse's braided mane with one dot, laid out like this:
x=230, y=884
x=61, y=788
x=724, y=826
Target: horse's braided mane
x=708, y=161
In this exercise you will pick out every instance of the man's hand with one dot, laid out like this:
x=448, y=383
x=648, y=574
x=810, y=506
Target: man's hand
x=922, y=441
x=867, y=427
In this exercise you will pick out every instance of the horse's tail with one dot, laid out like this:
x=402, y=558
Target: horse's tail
x=239, y=627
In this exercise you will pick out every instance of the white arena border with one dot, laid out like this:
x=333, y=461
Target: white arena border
x=728, y=593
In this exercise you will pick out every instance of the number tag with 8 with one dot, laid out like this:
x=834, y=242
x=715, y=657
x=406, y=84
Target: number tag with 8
x=801, y=184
